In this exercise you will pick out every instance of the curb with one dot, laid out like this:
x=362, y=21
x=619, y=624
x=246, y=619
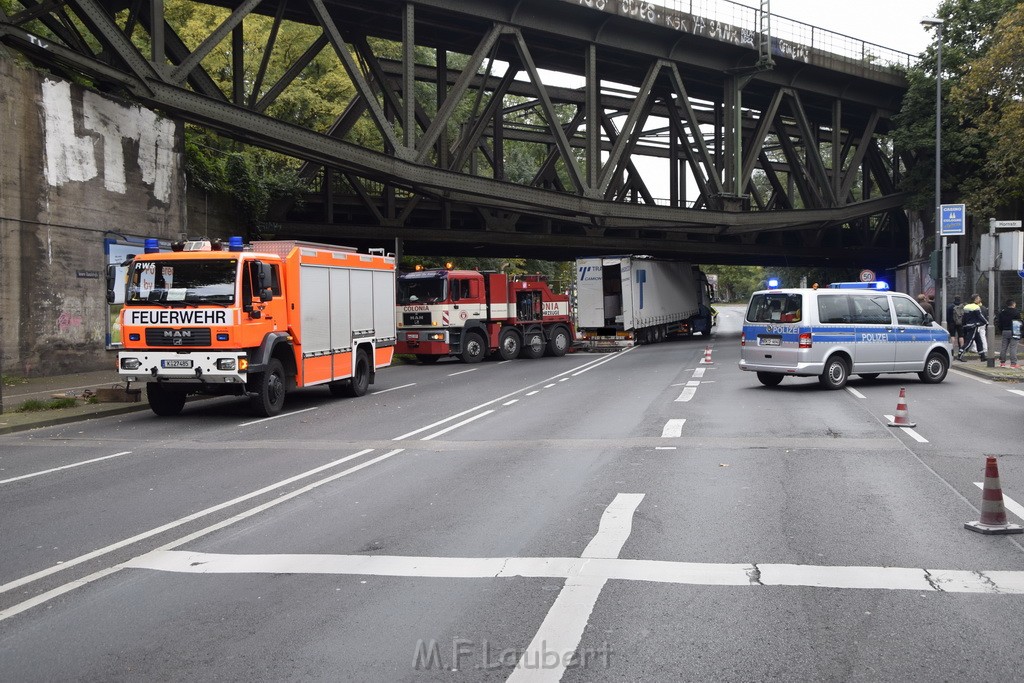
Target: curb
x=70, y=418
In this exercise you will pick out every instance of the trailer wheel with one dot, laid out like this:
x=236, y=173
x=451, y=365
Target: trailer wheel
x=164, y=402
x=559, y=342
x=473, y=348
x=509, y=344
x=270, y=390
x=534, y=346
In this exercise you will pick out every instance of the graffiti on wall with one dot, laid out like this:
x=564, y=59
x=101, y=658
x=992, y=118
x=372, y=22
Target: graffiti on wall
x=80, y=148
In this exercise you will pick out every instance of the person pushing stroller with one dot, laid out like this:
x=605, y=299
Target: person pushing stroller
x=974, y=328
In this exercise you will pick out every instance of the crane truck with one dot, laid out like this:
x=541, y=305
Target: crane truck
x=627, y=300
x=254, y=320
x=471, y=314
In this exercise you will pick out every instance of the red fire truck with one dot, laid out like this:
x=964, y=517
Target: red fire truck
x=470, y=314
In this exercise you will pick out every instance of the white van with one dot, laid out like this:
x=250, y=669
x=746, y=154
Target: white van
x=835, y=332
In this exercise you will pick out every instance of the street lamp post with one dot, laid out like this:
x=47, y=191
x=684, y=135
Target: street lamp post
x=940, y=244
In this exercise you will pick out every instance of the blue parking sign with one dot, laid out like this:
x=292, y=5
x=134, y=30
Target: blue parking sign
x=953, y=219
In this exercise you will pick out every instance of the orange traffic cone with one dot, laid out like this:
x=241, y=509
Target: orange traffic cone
x=993, y=512
x=902, y=419
x=707, y=354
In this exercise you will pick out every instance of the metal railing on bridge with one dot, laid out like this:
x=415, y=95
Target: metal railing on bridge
x=717, y=18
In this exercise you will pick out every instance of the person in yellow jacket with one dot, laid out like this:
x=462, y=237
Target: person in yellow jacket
x=974, y=328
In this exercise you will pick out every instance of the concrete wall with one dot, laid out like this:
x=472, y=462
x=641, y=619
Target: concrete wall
x=76, y=168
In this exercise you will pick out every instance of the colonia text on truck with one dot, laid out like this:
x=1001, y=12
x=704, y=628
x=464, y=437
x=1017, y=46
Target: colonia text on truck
x=254, y=320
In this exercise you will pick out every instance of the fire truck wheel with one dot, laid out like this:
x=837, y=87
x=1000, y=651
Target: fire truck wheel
x=360, y=381
x=509, y=344
x=270, y=390
x=559, y=342
x=534, y=346
x=473, y=348
x=164, y=402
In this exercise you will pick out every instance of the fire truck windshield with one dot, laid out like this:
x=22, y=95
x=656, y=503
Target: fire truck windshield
x=172, y=283
x=414, y=290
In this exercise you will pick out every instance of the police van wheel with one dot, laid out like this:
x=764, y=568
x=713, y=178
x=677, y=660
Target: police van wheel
x=164, y=402
x=270, y=390
x=935, y=369
x=836, y=373
x=769, y=379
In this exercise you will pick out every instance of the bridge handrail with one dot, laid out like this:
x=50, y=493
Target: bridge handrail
x=748, y=20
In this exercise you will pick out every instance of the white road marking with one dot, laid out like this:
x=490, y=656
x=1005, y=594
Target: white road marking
x=484, y=405
x=673, y=428
x=855, y=392
x=909, y=430
x=614, y=356
x=404, y=386
x=463, y=372
x=548, y=386
x=1006, y=582
x=70, y=586
x=665, y=448
x=275, y=417
x=562, y=628
x=63, y=467
x=457, y=425
x=1016, y=391
x=171, y=525
x=1009, y=503
x=698, y=373
x=565, y=379
x=532, y=393
x=508, y=403
x=689, y=392
x=970, y=376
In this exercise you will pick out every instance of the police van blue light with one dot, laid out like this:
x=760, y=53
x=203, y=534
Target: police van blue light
x=874, y=284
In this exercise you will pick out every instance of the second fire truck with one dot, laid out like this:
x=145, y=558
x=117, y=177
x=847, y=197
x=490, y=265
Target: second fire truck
x=470, y=314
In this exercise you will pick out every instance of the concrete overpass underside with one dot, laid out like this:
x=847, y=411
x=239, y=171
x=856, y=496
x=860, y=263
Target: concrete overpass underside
x=663, y=133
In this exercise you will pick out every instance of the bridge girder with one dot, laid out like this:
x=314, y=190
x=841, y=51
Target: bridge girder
x=805, y=174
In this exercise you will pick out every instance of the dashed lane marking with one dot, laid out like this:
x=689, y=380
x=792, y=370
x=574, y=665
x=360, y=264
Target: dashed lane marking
x=909, y=430
x=63, y=467
x=673, y=428
x=277, y=417
x=855, y=392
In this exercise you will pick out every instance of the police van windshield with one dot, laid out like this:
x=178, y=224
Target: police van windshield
x=173, y=283
x=775, y=307
x=413, y=290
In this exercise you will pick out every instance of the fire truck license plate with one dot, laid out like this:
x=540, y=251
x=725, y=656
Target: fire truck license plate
x=175, y=363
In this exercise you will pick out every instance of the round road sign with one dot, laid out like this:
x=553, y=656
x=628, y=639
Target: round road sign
x=867, y=275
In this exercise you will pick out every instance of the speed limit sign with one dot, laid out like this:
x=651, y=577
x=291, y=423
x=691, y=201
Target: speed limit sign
x=867, y=276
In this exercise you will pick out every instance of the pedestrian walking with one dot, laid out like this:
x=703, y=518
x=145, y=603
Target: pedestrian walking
x=1009, y=324
x=955, y=322
x=974, y=328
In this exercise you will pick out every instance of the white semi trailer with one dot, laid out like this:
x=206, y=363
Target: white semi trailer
x=627, y=300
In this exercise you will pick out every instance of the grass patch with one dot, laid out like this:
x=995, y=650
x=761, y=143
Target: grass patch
x=34, y=405
x=12, y=381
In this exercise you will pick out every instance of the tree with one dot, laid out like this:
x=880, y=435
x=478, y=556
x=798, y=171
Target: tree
x=988, y=100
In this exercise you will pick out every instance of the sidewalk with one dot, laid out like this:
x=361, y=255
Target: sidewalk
x=81, y=385
x=78, y=386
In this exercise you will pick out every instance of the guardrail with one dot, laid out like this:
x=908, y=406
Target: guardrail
x=740, y=24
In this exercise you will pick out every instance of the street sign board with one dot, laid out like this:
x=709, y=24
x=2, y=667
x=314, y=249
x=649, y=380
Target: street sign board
x=953, y=219
x=1006, y=224
x=867, y=275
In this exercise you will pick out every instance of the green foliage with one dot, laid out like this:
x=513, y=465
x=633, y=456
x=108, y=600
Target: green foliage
x=12, y=381
x=736, y=283
x=35, y=405
x=968, y=35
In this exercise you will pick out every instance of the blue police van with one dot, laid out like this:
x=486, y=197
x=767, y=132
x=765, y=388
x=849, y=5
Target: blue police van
x=846, y=329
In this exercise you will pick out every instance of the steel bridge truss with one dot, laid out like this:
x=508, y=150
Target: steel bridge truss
x=637, y=149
